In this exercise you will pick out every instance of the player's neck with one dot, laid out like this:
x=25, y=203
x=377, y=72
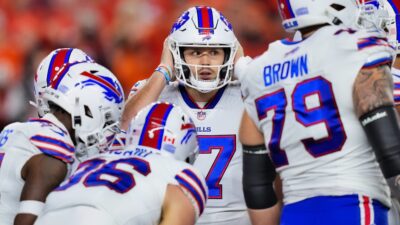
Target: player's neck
x=66, y=120
x=198, y=96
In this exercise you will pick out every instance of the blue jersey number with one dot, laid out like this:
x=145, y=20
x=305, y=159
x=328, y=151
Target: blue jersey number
x=95, y=168
x=326, y=113
x=226, y=147
x=4, y=136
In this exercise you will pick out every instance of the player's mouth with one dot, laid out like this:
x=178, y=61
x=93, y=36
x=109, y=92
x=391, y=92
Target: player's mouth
x=206, y=74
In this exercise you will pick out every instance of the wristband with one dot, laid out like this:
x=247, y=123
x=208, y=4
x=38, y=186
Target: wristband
x=166, y=71
x=31, y=207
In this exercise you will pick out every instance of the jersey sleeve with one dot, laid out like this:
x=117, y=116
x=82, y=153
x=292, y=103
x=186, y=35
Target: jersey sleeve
x=377, y=49
x=193, y=185
x=52, y=141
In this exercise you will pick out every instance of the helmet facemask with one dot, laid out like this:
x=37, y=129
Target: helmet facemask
x=91, y=138
x=188, y=73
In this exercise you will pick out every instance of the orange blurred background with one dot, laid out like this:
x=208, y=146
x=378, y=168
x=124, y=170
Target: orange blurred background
x=124, y=35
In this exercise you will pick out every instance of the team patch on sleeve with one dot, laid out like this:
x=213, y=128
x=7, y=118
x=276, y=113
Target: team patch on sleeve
x=54, y=147
x=194, y=188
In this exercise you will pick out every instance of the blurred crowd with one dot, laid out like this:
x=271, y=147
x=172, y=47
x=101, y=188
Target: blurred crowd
x=124, y=35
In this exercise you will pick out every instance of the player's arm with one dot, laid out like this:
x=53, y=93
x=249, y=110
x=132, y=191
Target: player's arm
x=151, y=91
x=373, y=100
x=258, y=176
x=177, y=208
x=42, y=173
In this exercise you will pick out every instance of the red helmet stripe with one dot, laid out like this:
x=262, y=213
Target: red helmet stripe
x=156, y=118
x=205, y=19
x=57, y=61
x=285, y=9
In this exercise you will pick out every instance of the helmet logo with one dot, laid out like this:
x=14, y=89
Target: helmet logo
x=112, y=90
x=226, y=22
x=181, y=21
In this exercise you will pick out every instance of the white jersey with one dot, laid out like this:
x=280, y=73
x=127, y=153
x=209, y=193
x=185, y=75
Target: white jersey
x=300, y=96
x=122, y=188
x=220, y=159
x=18, y=143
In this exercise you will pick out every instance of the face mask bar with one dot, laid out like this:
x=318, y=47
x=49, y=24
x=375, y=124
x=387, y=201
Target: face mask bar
x=191, y=77
x=186, y=76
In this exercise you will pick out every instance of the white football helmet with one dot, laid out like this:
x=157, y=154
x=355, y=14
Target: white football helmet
x=166, y=129
x=382, y=15
x=297, y=14
x=94, y=98
x=202, y=26
x=49, y=67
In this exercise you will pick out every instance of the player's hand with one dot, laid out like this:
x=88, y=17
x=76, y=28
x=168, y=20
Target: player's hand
x=394, y=184
x=241, y=67
x=167, y=59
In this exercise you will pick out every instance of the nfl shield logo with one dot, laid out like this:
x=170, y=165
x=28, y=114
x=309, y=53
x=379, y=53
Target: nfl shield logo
x=201, y=115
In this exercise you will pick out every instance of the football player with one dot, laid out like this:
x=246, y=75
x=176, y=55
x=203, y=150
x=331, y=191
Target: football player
x=148, y=182
x=323, y=106
x=199, y=55
x=84, y=110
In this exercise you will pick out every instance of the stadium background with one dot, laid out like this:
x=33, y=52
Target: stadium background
x=124, y=35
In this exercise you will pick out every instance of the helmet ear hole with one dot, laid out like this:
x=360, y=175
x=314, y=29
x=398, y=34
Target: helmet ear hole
x=337, y=7
x=88, y=113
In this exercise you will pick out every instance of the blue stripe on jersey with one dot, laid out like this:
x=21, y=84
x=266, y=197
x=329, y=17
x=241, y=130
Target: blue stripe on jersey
x=287, y=41
x=1, y=157
x=57, y=154
x=378, y=62
x=197, y=180
x=396, y=85
x=397, y=98
x=372, y=41
x=192, y=104
x=182, y=182
x=53, y=141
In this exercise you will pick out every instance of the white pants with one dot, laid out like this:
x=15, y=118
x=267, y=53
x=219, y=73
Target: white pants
x=79, y=215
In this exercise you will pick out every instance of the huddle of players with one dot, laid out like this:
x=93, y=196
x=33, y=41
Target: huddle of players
x=152, y=181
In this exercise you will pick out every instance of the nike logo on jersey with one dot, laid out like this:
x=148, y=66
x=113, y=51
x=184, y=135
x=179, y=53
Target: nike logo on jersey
x=292, y=51
x=59, y=132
